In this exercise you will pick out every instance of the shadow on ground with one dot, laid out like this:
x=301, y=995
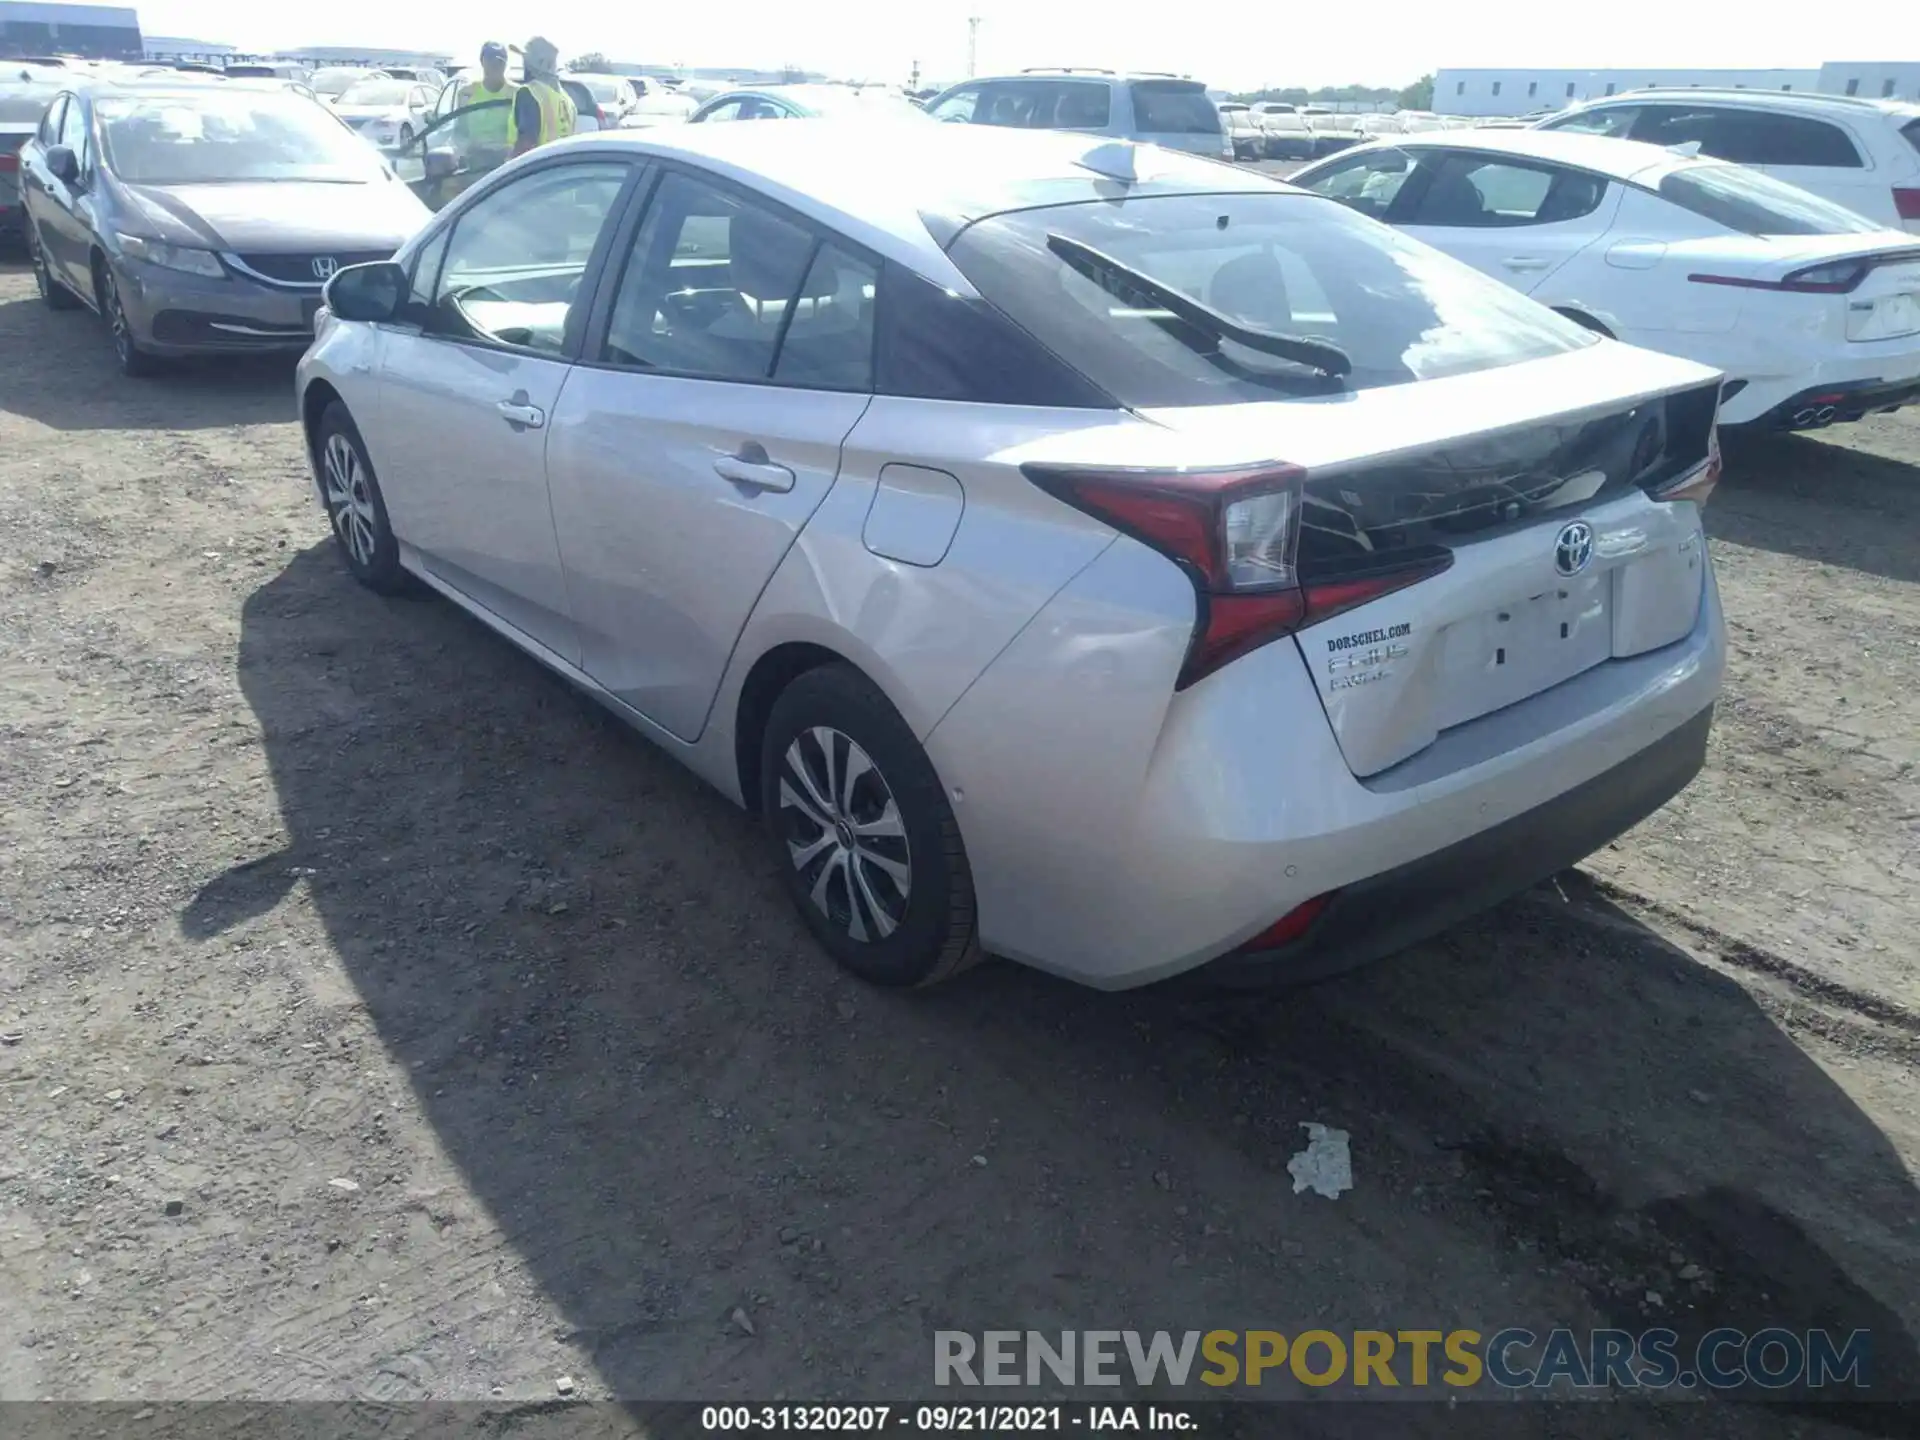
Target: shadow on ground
x=1820, y=501
x=665, y=1097
x=60, y=372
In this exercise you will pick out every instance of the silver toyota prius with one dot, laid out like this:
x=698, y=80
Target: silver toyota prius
x=1076, y=551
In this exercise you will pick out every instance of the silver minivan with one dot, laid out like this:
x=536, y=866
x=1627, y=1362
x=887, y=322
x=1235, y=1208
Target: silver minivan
x=1161, y=109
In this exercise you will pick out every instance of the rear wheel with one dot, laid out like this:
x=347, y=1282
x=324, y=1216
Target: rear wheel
x=52, y=292
x=869, y=850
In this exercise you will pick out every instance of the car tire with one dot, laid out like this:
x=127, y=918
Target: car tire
x=135, y=363
x=356, y=510
x=868, y=847
x=53, y=294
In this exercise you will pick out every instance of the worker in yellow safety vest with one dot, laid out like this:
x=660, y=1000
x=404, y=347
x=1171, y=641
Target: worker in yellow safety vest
x=489, y=130
x=542, y=111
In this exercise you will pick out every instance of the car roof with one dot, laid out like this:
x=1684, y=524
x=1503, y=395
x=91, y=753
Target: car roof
x=883, y=185
x=1859, y=105
x=1065, y=72
x=1620, y=159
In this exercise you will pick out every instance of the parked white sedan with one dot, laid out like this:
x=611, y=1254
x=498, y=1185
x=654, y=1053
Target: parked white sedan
x=1812, y=311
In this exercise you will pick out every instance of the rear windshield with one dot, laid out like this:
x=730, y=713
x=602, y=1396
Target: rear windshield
x=1293, y=265
x=1756, y=204
x=1173, y=107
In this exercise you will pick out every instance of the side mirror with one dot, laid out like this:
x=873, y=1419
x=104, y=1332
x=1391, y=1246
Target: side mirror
x=440, y=164
x=370, y=293
x=64, y=164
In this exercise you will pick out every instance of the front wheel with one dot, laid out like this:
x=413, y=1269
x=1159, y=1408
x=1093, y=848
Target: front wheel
x=133, y=361
x=356, y=510
x=869, y=849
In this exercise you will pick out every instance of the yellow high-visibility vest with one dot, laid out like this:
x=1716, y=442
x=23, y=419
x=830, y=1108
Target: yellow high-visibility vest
x=489, y=129
x=557, y=114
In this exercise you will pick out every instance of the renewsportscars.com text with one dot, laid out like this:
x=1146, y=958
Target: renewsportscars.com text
x=1511, y=1359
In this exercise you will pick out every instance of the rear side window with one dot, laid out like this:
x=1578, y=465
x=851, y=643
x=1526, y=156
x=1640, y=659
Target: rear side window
x=936, y=345
x=1370, y=183
x=1291, y=267
x=1756, y=204
x=1912, y=131
x=1173, y=107
x=1468, y=190
x=1041, y=105
x=1749, y=137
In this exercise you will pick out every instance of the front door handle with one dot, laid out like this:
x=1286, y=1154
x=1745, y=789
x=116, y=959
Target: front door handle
x=521, y=412
x=1526, y=262
x=751, y=466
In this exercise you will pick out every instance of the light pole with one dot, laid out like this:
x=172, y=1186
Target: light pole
x=973, y=44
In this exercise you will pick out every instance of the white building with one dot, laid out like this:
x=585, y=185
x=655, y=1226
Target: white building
x=1872, y=79
x=1521, y=91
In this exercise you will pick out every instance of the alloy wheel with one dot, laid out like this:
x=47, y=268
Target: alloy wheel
x=844, y=833
x=348, y=498
x=117, y=320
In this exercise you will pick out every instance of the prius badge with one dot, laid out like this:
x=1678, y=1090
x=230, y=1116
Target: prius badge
x=1573, y=548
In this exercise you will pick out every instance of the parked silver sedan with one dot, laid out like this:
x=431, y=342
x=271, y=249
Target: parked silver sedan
x=1074, y=551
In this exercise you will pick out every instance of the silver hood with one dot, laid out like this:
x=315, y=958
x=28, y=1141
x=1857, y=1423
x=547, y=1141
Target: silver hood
x=281, y=215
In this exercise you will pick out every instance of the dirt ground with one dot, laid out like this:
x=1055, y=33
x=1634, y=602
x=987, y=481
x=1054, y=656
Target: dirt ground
x=380, y=1020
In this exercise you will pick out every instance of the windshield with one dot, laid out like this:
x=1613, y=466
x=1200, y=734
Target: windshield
x=230, y=135
x=377, y=92
x=1756, y=204
x=1281, y=265
x=1173, y=107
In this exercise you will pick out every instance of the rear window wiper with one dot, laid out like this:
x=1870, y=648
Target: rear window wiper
x=1118, y=280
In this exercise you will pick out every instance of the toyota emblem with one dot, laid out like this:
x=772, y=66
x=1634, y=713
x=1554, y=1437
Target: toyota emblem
x=1573, y=549
x=323, y=267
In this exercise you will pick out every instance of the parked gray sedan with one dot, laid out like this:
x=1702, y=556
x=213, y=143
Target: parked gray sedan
x=202, y=218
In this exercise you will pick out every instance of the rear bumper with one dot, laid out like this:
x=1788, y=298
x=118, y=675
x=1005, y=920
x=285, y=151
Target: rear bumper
x=1818, y=406
x=1390, y=911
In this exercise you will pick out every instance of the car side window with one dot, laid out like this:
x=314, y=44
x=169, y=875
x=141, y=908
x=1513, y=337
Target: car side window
x=426, y=277
x=1371, y=183
x=728, y=111
x=1474, y=191
x=1749, y=137
x=959, y=107
x=715, y=280
x=50, y=122
x=1615, y=121
x=1082, y=105
x=513, y=268
x=73, y=131
x=828, y=344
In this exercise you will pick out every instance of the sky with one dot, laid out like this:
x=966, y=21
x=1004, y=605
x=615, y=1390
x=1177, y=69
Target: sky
x=1226, y=44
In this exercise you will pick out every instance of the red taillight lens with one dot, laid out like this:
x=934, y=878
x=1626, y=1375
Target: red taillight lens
x=1906, y=203
x=1236, y=533
x=1290, y=926
x=9, y=162
x=1839, y=277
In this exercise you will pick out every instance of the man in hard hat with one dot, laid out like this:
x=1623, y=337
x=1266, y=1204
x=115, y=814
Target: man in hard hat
x=542, y=111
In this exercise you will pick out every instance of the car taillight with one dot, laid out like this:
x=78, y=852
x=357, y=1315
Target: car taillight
x=1906, y=202
x=9, y=162
x=1840, y=277
x=1236, y=534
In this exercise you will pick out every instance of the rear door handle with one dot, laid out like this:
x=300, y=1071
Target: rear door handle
x=518, y=411
x=1526, y=262
x=751, y=466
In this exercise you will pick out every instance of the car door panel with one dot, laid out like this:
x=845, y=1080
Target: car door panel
x=462, y=429
x=1498, y=216
x=668, y=534
x=732, y=366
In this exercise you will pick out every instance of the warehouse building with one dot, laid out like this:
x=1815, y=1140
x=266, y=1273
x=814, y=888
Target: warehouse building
x=1525, y=92
x=97, y=32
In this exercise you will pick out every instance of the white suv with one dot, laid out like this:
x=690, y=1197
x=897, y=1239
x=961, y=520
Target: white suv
x=1167, y=110
x=1863, y=154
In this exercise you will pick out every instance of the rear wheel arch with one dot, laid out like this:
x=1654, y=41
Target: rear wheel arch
x=771, y=674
